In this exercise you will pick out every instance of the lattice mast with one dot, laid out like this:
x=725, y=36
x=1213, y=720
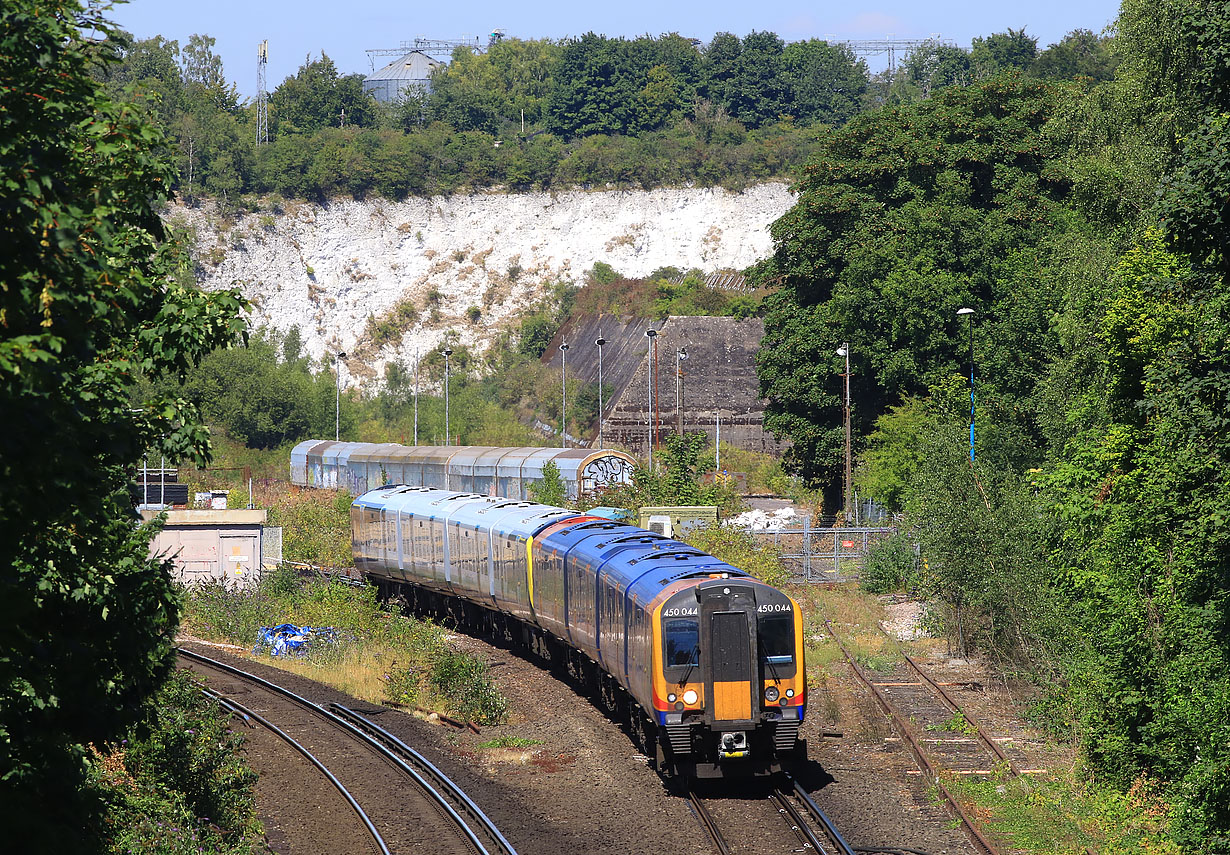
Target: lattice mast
x=262, y=95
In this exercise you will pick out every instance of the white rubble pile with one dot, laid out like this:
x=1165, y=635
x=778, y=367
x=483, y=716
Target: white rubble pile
x=467, y=263
x=759, y=520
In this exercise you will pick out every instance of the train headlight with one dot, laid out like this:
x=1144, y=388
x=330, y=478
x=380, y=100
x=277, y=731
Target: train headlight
x=671, y=698
x=790, y=693
x=771, y=694
x=689, y=697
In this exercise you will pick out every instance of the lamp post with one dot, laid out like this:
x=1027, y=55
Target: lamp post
x=448, y=351
x=649, y=373
x=680, y=355
x=969, y=313
x=337, y=406
x=598, y=342
x=844, y=351
x=563, y=406
x=416, y=397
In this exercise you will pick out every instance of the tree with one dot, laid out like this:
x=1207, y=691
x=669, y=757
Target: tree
x=1079, y=54
x=550, y=490
x=1008, y=51
x=933, y=66
x=904, y=216
x=316, y=97
x=827, y=83
x=93, y=296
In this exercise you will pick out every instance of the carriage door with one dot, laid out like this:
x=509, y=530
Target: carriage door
x=728, y=614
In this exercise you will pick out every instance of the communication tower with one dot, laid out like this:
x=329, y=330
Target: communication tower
x=262, y=97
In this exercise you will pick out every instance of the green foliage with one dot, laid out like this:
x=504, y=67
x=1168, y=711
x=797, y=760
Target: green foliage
x=179, y=784
x=315, y=527
x=464, y=678
x=93, y=295
x=905, y=216
x=890, y=566
x=317, y=97
x=739, y=549
x=550, y=490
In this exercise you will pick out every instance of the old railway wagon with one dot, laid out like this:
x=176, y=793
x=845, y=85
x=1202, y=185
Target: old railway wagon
x=705, y=661
x=362, y=466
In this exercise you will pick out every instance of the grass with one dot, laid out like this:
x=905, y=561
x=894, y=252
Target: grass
x=503, y=742
x=379, y=655
x=1065, y=813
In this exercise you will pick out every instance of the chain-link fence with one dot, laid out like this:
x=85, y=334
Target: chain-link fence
x=821, y=554
x=271, y=546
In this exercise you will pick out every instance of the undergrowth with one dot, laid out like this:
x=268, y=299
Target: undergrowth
x=378, y=654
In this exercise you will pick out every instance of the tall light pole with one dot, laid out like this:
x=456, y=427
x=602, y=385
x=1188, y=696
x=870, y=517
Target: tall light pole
x=416, y=397
x=649, y=373
x=970, y=314
x=563, y=407
x=680, y=355
x=448, y=351
x=844, y=351
x=598, y=342
x=337, y=406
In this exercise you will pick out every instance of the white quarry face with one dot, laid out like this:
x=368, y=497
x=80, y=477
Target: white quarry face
x=327, y=269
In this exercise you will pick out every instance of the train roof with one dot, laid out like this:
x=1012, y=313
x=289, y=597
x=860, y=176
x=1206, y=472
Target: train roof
x=505, y=516
x=525, y=461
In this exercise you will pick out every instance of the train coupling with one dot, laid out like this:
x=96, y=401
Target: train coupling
x=733, y=745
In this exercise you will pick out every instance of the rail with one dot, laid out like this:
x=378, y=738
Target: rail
x=311, y=758
x=813, y=809
x=440, y=781
x=707, y=823
x=503, y=847
x=920, y=758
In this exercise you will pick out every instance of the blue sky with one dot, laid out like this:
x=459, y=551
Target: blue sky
x=344, y=30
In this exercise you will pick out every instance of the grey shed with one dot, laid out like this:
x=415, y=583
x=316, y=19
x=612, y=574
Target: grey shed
x=410, y=72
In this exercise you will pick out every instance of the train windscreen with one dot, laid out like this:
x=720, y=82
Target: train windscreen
x=777, y=639
x=682, y=642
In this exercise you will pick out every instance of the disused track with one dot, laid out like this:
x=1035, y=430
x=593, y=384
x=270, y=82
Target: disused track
x=921, y=759
x=407, y=806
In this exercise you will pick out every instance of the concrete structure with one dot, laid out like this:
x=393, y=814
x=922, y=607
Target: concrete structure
x=719, y=377
x=410, y=73
x=212, y=545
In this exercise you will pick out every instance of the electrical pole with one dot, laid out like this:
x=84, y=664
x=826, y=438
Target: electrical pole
x=844, y=350
x=598, y=343
x=563, y=407
x=447, y=438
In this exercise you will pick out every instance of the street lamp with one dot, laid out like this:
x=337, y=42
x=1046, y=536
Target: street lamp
x=563, y=407
x=416, y=397
x=970, y=314
x=680, y=355
x=844, y=351
x=649, y=373
x=337, y=407
x=448, y=351
x=598, y=342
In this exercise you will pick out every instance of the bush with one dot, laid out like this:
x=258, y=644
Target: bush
x=739, y=549
x=178, y=783
x=466, y=680
x=890, y=566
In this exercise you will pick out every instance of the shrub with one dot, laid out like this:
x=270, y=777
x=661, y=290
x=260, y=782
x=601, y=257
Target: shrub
x=465, y=679
x=889, y=567
x=178, y=783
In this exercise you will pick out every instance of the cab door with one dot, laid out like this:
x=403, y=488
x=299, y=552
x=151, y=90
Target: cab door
x=728, y=649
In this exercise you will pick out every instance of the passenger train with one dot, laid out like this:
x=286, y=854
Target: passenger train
x=705, y=661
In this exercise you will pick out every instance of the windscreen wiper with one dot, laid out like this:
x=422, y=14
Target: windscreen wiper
x=692, y=660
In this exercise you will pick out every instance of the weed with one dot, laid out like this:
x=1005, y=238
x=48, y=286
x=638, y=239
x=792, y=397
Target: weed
x=510, y=742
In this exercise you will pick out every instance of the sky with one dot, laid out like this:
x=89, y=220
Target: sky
x=345, y=30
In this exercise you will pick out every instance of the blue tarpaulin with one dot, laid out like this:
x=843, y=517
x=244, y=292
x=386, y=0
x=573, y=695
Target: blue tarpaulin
x=289, y=640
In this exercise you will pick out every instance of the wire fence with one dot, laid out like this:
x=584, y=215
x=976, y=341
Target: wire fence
x=814, y=554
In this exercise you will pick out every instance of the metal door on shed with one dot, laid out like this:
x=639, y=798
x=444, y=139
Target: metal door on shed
x=240, y=558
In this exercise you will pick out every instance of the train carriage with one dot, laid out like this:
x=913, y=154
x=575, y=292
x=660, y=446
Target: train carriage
x=707, y=660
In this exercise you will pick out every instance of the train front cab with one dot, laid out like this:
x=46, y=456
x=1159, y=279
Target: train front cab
x=729, y=689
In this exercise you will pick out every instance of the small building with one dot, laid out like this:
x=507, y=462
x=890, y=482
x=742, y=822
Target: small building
x=405, y=75
x=213, y=545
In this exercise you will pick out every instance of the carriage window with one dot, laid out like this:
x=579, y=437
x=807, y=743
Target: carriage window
x=777, y=639
x=682, y=642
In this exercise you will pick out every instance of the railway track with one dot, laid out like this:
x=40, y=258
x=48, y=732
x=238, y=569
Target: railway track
x=808, y=827
x=973, y=753
x=422, y=807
